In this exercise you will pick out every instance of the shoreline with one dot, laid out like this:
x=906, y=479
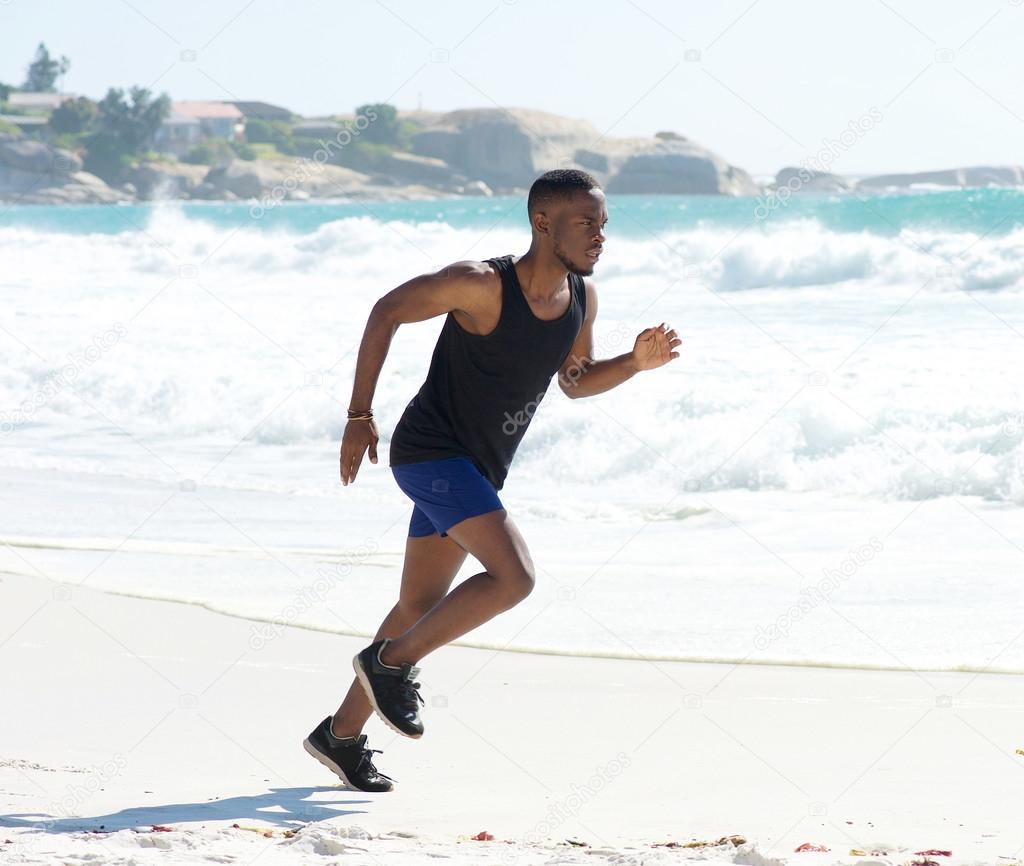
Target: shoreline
x=329, y=564
x=212, y=607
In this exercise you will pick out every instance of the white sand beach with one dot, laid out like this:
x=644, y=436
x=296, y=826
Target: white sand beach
x=122, y=715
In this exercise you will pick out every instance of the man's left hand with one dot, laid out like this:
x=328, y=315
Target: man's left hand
x=653, y=347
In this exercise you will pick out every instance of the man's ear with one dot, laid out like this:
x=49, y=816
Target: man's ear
x=541, y=223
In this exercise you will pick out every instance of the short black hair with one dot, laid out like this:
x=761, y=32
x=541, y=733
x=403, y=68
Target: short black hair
x=558, y=185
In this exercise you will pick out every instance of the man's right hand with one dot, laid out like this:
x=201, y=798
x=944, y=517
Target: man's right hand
x=358, y=436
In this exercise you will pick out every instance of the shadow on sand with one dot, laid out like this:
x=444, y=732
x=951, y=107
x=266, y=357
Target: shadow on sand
x=279, y=807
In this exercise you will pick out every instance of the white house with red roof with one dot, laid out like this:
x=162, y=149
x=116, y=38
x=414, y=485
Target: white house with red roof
x=217, y=119
x=190, y=121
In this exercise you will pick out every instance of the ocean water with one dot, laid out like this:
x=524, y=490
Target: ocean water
x=831, y=473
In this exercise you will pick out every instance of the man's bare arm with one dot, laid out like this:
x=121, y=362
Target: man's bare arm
x=456, y=287
x=583, y=376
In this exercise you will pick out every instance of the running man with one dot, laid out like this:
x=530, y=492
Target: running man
x=511, y=325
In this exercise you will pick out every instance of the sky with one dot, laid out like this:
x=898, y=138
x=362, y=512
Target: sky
x=859, y=86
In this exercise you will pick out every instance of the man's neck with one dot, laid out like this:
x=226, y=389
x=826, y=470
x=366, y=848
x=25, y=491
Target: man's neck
x=542, y=277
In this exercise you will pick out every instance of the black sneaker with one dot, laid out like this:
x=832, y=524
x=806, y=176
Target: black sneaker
x=391, y=690
x=347, y=757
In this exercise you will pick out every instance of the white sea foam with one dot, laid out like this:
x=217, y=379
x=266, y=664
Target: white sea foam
x=211, y=335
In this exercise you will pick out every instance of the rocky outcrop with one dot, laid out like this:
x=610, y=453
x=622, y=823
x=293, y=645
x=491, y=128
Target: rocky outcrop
x=479, y=151
x=805, y=180
x=508, y=148
x=23, y=154
x=78, y=187
x=33, y=172
x=261, y=178
x=979, y=175
x=505, y=148
x=666, y=164
x=270, y=181
x=165, y=179
x=426, y=170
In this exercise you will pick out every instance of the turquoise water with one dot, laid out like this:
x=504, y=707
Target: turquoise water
x=994, y=212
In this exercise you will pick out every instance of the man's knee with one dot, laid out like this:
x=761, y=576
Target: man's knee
x=528, y=582
x=517, y=583
x=496, y=543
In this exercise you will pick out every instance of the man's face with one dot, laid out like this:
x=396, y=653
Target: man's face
x=577, y=231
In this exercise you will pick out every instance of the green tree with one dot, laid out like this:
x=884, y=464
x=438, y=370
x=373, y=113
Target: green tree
x=43, y=71
x=378, y=123
x=210, y=151
x=5, y=91
x=124, y=129
x=275, y=132
x=74, y=115
x=136, y=121
x=243, y=150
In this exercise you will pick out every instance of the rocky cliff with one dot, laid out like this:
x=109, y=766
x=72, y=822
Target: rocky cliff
x=508, y=148
x=32, y=172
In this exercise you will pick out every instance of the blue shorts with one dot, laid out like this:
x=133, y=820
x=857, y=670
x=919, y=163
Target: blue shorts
x=445, y=492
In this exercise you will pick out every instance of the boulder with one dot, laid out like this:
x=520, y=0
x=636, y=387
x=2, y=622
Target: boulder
x=78, y=187
x=246, y=178
x=36, y=156
x=508, y=148
x=438, y=143
x=503, y=147
x=33, y=172
x=278, y=178
x=807, y=180
x=979, y=175
x=993, y=175
x=165, y=179
x=207, y=191
x=666, y=165
x=406, y=192
x=428, y=170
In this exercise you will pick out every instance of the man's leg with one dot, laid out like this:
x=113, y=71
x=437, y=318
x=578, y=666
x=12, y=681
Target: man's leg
x=494, y=540
x=431, y=563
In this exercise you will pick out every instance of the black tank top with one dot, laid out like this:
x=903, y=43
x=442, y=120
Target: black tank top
x=481, y=391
